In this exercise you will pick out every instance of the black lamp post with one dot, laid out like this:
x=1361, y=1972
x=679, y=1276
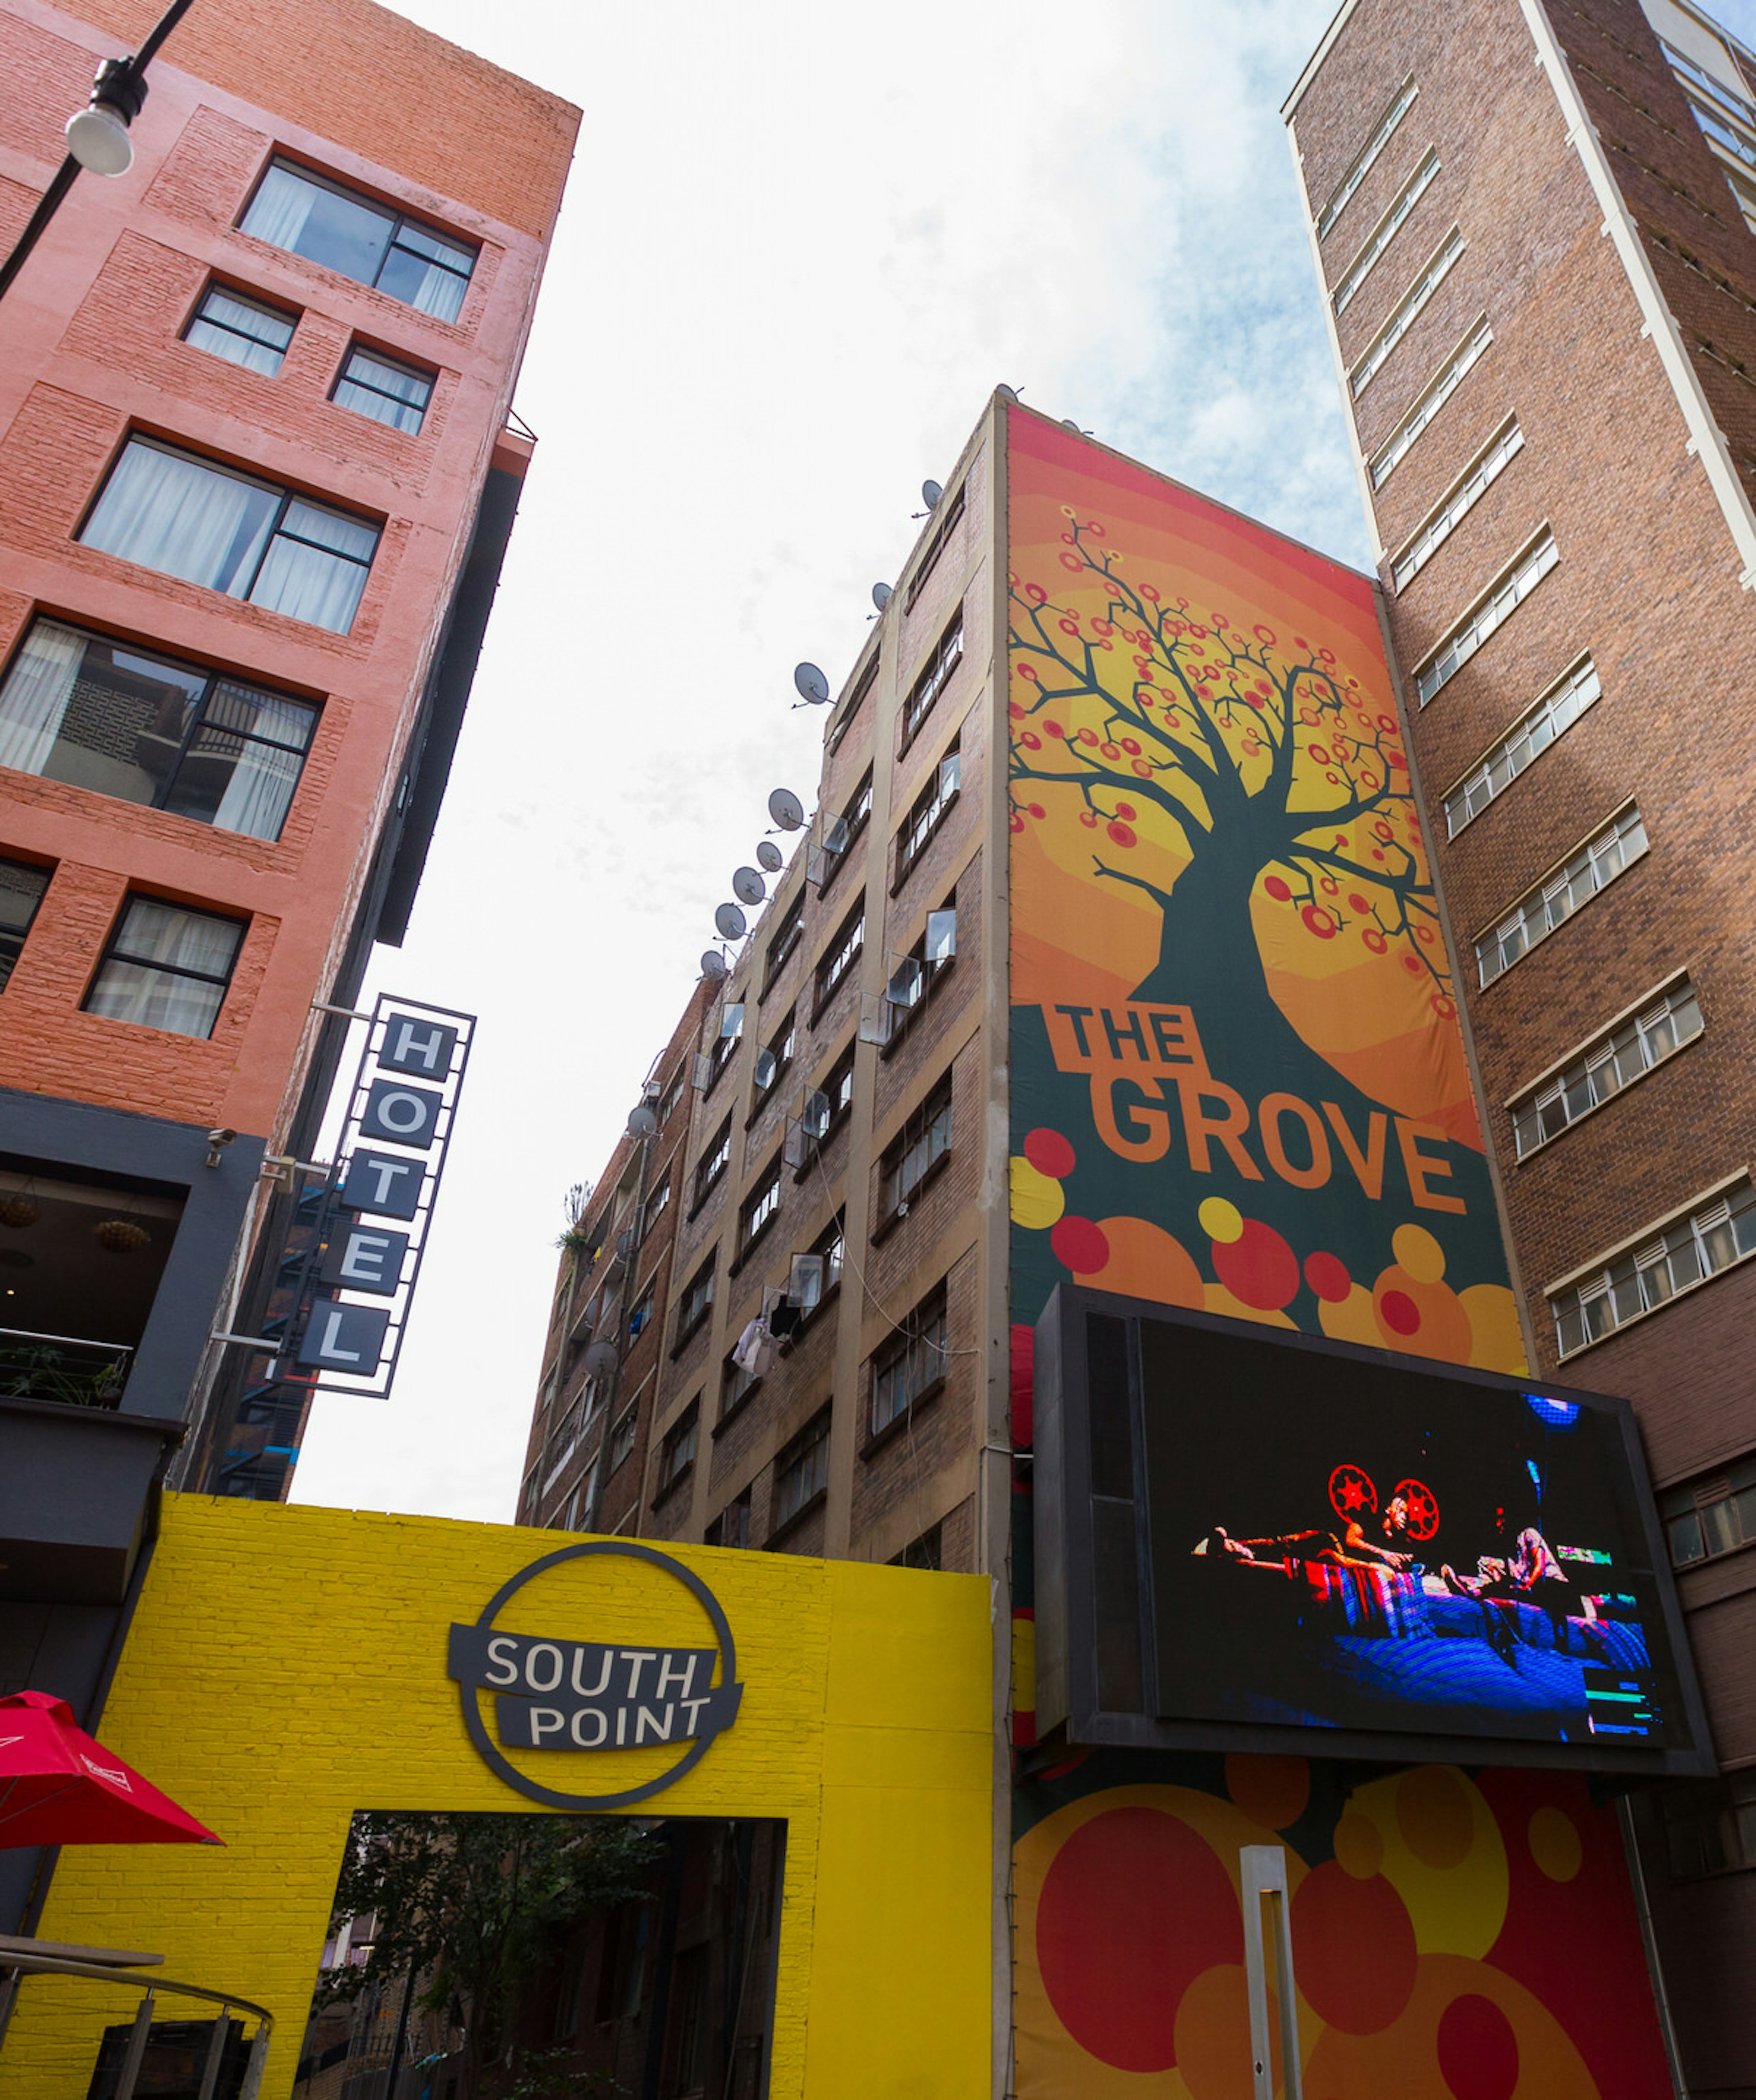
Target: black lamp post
x=97, y=136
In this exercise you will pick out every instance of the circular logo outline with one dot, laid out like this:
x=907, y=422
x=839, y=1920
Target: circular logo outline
x=469, y=1695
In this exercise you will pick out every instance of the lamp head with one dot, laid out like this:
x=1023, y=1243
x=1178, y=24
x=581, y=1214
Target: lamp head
x=97, y=137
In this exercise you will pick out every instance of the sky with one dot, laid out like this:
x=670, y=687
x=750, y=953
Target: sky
x=801, y=245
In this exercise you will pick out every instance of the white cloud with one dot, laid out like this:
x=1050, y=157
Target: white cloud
x=801, y=245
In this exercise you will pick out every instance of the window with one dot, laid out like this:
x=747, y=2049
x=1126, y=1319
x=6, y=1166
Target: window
x=1526, y=572
x=1678, y=1257
x=1711, y=1517
x=836, y=1092
x=788, y=930
x=929, y=806
x=1526, y=742
x=185, y=516
x=1385, y=232
x=368, y=242
x=801, y=1470
x=1504, y=447
x=935, y=676
x=673, y=1093
x=759, y=1209
x=245, y=332
x=905, y=996
x=1598, y=862
x=775, y=1060
x=736, y=1385
x=129, y=722
x=713, y=1161
x=166, y=967
x=930, y=560
x=622, y=1436
x=925, y=1140
x=1626, y=1054
x=732, y=1032
x=1433, y=397
x=842, y=954
x=731, y=1527
x=658, y=1202
x=911, y=1363
x=21, y=889
x=677, y=1450
x=842, y=831
x=817, y=1272
x=926, y=1551
x=1400, y=103
x=1405, y=312
x=381, y=387
x=697, y=1300
x=1710, y=1825
x=641, y=1313
x=850, y=707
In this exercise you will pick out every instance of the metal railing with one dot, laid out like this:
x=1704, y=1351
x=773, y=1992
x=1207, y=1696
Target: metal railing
x=68, y=1368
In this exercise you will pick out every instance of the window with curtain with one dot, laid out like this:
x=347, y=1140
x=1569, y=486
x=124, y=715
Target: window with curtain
x=166, y=966
x=186, y=517
x=387, y=390
x=246, y=332
x=356, y=238
x=21, y=889
x=100, y=714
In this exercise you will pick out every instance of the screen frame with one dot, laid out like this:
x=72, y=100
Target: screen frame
x=1068, y=1691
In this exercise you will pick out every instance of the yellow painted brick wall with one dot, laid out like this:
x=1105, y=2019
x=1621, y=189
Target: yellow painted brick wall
x=286, y=1666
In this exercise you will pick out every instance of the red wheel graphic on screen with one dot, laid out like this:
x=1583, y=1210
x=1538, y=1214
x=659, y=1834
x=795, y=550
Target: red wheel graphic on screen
x=1350, y=1492
x=1423, y=1508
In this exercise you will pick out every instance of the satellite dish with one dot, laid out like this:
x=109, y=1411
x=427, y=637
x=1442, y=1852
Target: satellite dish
x=642, y=1121
x=785, y=808
x=1007, y=393
x=930, y=493
x=713, y=965
x=601, y=1359
x=729, y=921
x=813, y=686
x=835, y=838
x=768, y=855
x=881, y=595
x=748, y=887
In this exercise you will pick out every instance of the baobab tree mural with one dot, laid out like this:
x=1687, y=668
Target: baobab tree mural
x=1219, y=749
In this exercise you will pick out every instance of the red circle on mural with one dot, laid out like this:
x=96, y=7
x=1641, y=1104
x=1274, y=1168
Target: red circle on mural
x=1258, y=1268
x=1079, y=1245
x=1134, y=1908
x=1054, y=729
x=1125, y=810
x=1477, y=2049
x=1121, y=834
x=1319, y=921
x=1399, y=1312
x=1277, y=889
x=1327, y=1276
x=1049, y=1153
x=1355, y=1944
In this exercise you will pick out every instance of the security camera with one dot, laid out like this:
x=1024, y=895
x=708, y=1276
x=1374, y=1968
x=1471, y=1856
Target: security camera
x=215, y=1138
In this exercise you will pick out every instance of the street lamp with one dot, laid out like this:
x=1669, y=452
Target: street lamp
x=97, y=136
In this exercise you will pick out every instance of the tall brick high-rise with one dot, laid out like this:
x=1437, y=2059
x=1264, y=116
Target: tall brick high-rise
x=1532, y=223
x=257, y=476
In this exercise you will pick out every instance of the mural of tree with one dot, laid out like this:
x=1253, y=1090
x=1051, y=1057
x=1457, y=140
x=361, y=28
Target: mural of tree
x=1256, y=755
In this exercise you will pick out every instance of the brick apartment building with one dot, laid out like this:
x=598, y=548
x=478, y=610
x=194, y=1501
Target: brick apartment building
x=257, y=477
x=1533, y=224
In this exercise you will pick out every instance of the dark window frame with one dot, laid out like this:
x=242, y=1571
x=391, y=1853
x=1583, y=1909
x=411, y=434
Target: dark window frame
x=932, y=975
x=397, y=217
x=199, y=315
x=789, y=931
x=112, y=952
x=759, y=1209
x=710, y=1168
x=813, y=1439
x=840, y=959
x=692, y=1317
x=12, y=938
x=936, y=546
x=844, y=721
x=838, y=1079
x=676, y=1452
x=621, y=1445
x=787, y=1035
x=914, y=1349
x=931, y=680
x=937, y=1106
x=345, y=376
x=927, y=813
x=739, y=1506
x=856, y=816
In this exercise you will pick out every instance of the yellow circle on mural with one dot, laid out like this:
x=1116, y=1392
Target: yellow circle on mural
x=1358, y=1847
x=1555, y=1844
x=1037, y=1202
x=1222, y=1220
x=1417, y=1253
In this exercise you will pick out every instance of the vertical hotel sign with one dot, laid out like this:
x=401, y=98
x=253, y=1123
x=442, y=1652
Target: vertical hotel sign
x=1239, y=1078
x=354, y=1305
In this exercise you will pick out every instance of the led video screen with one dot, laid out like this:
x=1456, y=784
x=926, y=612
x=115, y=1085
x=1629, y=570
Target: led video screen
x=1333, y=1542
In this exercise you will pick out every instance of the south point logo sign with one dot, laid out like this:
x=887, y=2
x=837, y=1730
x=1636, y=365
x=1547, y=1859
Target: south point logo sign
x=559, y=1693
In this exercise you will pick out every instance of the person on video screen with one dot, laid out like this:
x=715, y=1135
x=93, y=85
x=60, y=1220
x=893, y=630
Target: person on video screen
x=1376, y=1538
x=1526, y=1570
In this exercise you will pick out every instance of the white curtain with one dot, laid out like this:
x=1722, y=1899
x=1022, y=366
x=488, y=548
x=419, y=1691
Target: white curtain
x=261, y=788
x=129, y=989
x=441, y=293
x=280, y=208
x=308, y=582
x=37, y=691
x=178, y=516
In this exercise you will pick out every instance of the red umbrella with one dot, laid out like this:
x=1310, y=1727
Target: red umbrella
x=60, y=1786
